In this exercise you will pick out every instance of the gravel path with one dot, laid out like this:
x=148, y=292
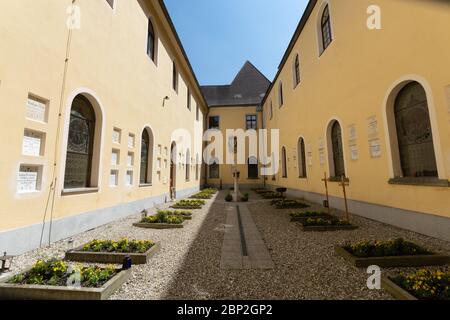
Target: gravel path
x=188, y=264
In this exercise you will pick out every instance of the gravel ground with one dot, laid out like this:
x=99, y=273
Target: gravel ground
x=188, y=264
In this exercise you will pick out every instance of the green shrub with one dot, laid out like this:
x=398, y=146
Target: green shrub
x=397, y=247
x=177, y=213
x=121, y=246
x=229, y=198
x=426, y=284
x=271, y=195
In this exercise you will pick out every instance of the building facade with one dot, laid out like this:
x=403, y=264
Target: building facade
x=92, y=96
x=236, y=108
x=369, y=104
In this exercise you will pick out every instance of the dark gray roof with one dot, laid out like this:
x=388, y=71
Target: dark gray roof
x=248, y=88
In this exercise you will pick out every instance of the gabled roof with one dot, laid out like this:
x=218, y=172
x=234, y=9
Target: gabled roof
x=248, y=88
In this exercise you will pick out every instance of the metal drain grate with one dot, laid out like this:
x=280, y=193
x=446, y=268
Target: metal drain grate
x=242, y=233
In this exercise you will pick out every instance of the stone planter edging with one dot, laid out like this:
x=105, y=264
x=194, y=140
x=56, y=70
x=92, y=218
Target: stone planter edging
x=111, y=257
x=41, y=292
x=327, y=228
x=396, y=291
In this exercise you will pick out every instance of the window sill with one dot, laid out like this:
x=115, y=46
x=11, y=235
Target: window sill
x=425, y=182
x=145, y=185
x=253, y=178
x=338, y=179
x=303, y=178
x=78, y=191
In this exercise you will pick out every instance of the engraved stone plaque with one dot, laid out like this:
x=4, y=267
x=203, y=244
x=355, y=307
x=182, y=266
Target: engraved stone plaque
x=375, y=148
x=32, y=143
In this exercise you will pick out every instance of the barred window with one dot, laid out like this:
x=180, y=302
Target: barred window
x=284, y=162
x=296, y=71
x=151, y=41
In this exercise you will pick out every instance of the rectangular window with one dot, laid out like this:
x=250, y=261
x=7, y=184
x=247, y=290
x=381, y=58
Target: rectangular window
x=214, y=122
x=174, y=77
x=117, y=135
x=189, y=99
x=214, y=171
x=251, y=122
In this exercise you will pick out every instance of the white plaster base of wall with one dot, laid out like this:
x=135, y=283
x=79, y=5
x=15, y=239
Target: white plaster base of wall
x=21, y=240
x=423, y=223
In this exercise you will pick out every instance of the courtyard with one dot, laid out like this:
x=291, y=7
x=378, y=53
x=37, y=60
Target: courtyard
x=206, y=259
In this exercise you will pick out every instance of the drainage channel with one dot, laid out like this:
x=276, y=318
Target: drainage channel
x=242, y=233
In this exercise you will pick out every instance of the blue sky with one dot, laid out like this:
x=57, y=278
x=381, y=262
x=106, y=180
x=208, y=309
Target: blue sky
x=219, y=36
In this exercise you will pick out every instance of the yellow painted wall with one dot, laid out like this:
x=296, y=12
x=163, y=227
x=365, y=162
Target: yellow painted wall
x=350, y=82
x=233, y=118
x=107, y=58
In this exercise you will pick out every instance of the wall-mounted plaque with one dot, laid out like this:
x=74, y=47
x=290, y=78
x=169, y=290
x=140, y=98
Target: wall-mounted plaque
x=310, y=155
x=375, y=148
x=115, y=158
x=32, y=143
x=36, y=110
x=354, y=152
x=129, y=178
x=116, y=135
x=372, y=126
x=114, y=178
x=448, y=98
x=130, y=159
x=27, y=179
x=322, y=157
x=131, y=140
x=352, y=132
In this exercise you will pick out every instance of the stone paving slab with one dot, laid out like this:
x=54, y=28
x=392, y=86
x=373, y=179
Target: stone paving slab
x=257, y=257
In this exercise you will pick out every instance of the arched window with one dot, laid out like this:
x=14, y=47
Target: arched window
x=280, y=94
x=188, y=166
x=146, y=157
x=337, y=150
x=214, y=170
x=80, y=144
x=197, y=168
x=414, y=134
x=253, y=168
x=284, y=162
x=301, y=158
x=325, y=24
x=151, y=41
x=296, y=70
x=271, y=110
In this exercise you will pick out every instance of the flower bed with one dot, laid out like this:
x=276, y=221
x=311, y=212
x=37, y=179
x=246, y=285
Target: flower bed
x=303, y=216
x=321, y=224
x=161, y=221
x=422, y=285
x=393, y=253
x=55, y=280
x=114, y=251
x=185, y=214
x=289, y=204
x=205, y=194
x=189, y=204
